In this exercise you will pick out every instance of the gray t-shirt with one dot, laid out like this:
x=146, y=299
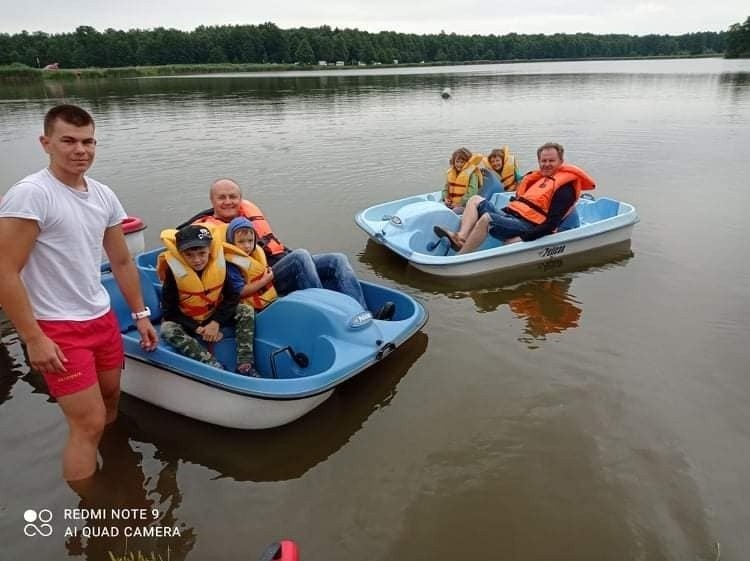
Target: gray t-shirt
x=62, y=275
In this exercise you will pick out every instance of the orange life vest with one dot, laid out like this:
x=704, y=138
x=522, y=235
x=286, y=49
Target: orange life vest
x=507, y=174
x=270, y=243
x=534, y=195
x=457, y=183
x=252, y=267
x=552, y=312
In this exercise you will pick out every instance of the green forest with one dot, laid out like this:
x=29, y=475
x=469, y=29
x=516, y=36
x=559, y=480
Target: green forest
x=266, y=43
x=738, y=40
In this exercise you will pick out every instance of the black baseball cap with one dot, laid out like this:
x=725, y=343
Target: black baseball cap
x=193, y=236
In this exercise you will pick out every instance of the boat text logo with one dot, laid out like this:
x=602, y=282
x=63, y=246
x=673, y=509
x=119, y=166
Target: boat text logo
x=552, y=251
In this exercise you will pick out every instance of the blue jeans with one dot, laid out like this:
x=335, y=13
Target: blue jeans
x=299, y=270
x=504, y=225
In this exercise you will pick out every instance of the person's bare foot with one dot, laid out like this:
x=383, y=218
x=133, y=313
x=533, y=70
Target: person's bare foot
x=455, y=241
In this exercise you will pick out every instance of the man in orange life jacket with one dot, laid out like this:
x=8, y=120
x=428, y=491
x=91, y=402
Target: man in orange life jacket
x=542, y=201
x=292, y=269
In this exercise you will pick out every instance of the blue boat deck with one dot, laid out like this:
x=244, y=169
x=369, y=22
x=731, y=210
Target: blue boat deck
x=406, y=226
x=305, y=342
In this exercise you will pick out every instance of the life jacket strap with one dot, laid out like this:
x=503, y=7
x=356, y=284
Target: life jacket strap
x=532, y=205
x=268, y=238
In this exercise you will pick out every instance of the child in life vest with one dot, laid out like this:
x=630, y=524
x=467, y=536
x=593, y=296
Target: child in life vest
x=505, y=165
x=254, y=281
x=463, y=178
x=198, y=299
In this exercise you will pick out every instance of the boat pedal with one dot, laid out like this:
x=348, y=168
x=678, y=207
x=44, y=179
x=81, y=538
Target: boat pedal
x=300, y=359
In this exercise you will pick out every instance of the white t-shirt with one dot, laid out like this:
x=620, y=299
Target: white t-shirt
x=62, y=275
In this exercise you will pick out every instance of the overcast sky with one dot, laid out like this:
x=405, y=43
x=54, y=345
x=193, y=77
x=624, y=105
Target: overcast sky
x=411, y=16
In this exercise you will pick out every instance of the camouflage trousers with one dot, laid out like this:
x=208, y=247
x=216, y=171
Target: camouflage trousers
x=186, y=344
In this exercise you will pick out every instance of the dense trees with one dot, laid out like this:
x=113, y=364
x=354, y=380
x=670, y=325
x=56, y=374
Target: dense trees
x=267, y=43
x=738, y=40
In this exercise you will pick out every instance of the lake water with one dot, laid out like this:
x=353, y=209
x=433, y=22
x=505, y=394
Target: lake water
x=595, y=410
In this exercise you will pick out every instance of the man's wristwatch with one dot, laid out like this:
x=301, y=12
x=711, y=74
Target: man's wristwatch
x=146, y=313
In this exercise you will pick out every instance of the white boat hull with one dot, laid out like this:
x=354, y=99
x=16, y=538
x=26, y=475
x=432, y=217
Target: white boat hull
x=406, y=227
x=204, y=402
x=525, y=257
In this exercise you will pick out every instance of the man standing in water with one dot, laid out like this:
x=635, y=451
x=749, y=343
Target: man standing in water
x=53, y=225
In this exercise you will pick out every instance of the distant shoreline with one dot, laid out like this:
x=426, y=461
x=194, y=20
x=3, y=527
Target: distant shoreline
x=17, y=74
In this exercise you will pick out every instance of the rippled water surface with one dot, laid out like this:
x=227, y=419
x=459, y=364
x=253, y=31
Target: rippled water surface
x=596, y=409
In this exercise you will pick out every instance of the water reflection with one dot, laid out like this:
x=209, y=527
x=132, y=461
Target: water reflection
x=545, y=305
x=738, y=85
x=13, y=361
x=240, y=89
x=283, y=453
x=539, y=295
x=8, y=366
x=121, y=485
x=387, y=264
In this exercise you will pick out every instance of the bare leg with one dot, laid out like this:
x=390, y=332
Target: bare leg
x=109, y=384
x=477, y=235
x=469, y=217
x=86, y=415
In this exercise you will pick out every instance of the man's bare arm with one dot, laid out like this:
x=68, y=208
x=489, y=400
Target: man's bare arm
x=128, y=280
x=17, y=239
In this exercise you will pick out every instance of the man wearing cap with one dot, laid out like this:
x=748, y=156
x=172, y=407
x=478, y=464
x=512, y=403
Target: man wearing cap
x=198, y=299
x=53, y=225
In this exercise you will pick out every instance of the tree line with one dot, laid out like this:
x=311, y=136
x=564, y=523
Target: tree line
x=738, y=40
x=266, y=43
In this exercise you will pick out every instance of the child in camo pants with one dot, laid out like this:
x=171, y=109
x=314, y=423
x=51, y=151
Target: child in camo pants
x=190, y=313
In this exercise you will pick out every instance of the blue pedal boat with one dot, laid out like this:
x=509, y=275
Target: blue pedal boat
x=306, y=344
x=405, y=226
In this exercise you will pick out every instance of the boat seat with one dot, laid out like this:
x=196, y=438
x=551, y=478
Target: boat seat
x=573, y=220
x=501, y=199
x=599, y=209
x=490, y=185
